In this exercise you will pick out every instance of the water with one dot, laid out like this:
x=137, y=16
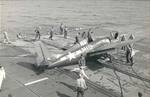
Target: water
x=121, y=15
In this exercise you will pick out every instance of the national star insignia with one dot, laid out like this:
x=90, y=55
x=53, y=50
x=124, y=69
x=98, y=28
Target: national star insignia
x=71, y=56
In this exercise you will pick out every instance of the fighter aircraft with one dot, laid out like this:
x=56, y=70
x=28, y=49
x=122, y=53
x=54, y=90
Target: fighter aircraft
x=46, y=60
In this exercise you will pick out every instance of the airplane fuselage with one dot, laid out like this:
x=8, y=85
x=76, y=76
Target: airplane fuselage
x=73, y=56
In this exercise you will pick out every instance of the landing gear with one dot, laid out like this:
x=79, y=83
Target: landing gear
x=106, y=57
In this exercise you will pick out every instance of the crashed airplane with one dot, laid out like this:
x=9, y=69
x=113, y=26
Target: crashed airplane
x=93, y=50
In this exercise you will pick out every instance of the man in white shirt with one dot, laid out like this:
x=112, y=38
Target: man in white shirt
x=81, y=86
x=2, y=76
x=6, y=38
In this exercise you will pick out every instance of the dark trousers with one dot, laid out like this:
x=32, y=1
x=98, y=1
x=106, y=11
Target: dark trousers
x=65, y=35
x=51, y=36
x=37, y=36
x=129, y=58
x=80, y=93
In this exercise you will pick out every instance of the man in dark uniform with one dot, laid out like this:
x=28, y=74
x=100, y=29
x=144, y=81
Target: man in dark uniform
x=90, y=39
x=116, y=35
x=61, y=28
x=51, y=33
x=76, y=39
x=82, y=61
x=65, y=32
x=83, y=35
x=123, y=39
x=129, y=56
x=37, y=34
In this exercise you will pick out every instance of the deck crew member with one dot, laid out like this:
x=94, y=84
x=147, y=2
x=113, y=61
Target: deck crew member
x=83, y=35
x=2, y=76
x=65, y=32
x=129, y=56
x=116, y=36
x=82, y=61
x=77, y=39
x=131, y=37
x=61, y=28
x=89, y=36
x=123, y=39
x=6, y=39
x=81, y=67
x=37, y=34
x=81, y=86
x=51, y=33
x=19, y=35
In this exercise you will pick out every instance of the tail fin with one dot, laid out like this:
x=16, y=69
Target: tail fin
x=41, y=55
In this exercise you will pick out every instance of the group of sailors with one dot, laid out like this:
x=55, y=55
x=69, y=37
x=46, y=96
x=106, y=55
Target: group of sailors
x=129, y=52
x=63, y=30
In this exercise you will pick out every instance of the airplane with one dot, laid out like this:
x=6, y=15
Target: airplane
x=46, y=60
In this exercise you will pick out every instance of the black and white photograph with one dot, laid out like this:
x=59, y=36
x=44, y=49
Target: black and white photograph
x=74, y=48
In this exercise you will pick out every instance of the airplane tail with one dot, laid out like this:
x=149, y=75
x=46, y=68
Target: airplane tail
x=41, y=55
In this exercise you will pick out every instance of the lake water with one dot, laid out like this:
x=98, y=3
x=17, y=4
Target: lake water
x=122, y=15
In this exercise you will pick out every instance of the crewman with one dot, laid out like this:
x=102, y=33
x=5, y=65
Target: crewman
x=81, y=86
x=129, y=51
x=82, y=60
x=37, y=34
x=77, y=39
x=83, y=35
x=81, y=67
x=2, y=76
x=131, y=37
x=123, y=39
x=65, y=32
x=19, y=35
x=116, y=36
x=6, y=39
x=61, y=28
x=89, y=37
x=51, y=33
x=129, y=56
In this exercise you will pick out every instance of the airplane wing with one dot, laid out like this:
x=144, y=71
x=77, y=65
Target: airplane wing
x=63, y=45
x=111, y=46
x=15, y=49
x=12, y=51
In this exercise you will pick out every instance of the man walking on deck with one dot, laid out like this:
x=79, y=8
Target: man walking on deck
x=129, y=56
x=37, y=34
x=89, y=36
x=51, y=33
x=81, y=86
x=61, y=28
x=82, y=61
x=77, y=39
x=6, y=39
x=65, y=32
